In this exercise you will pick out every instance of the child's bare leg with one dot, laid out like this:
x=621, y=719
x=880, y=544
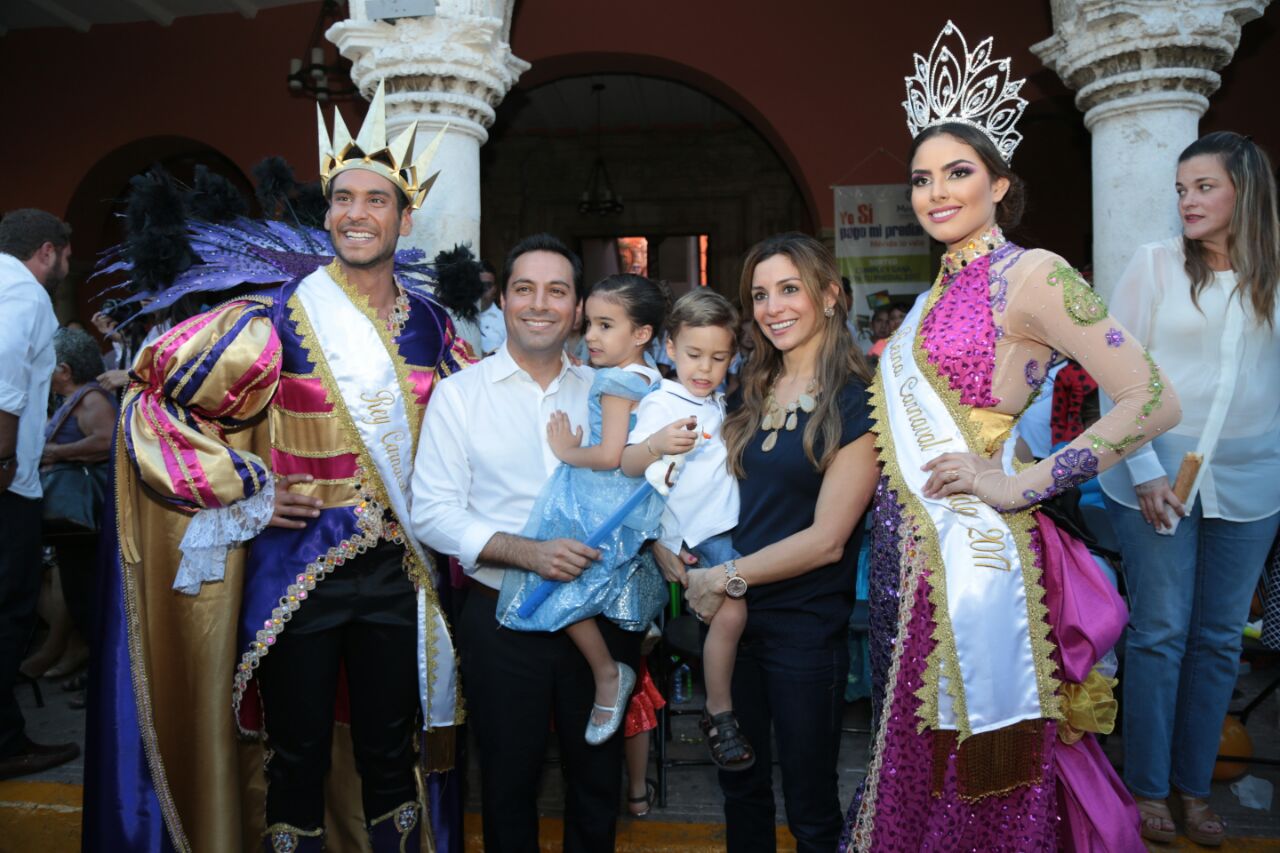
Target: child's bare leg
x=730, y=750
x=604, y=669
x=719, y=652
x=637, y=755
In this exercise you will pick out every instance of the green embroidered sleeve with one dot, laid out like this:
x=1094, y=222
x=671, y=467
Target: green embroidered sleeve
x=1084, y=306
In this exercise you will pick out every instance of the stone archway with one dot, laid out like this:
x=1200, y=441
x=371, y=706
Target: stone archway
x=684, y=161
x=92, y=211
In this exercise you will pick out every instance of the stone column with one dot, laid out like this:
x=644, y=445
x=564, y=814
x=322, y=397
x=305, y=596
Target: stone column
x=451, y=69
x=1143, y=72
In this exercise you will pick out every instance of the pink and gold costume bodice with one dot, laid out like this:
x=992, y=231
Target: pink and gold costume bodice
x=998, y=318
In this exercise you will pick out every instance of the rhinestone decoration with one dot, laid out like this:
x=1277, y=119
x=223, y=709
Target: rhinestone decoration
x=407, y=818
x=958, y=85
x=399, y=314
x=959, y=333
x=284, y=842
x=1083, y=304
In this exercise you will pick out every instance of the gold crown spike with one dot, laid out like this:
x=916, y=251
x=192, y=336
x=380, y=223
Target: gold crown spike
x=967, y=87
x=373, y=135
x=370, y=151
x=422, y=164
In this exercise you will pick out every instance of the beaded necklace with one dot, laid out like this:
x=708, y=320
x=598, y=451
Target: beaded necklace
x=777, y=416
x=986, y=242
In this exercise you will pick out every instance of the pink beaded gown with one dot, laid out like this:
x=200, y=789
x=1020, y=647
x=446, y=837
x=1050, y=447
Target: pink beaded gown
x=996, y=320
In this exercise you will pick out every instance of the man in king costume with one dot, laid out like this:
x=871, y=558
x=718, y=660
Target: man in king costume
x=265, y=581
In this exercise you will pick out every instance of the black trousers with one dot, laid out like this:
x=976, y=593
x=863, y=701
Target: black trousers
x=364, y=614
x=797, y=695
x=77, y=555
x=20, y=570
x=516, y=683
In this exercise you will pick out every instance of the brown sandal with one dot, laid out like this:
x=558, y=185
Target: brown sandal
x=1155, y=816
x=729, y=749
x=1197, y=816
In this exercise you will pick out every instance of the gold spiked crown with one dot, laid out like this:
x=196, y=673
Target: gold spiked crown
x=369, y=150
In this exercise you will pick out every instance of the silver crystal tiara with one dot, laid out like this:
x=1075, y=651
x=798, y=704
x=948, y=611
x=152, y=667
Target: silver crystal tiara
x=954, y=85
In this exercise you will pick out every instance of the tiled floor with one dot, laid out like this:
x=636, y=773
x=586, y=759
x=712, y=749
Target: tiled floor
x=693, y=794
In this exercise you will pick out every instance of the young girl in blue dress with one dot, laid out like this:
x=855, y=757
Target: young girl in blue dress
x=623, y=314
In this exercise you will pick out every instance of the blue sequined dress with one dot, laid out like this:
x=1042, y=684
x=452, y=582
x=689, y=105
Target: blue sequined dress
x=623, y=585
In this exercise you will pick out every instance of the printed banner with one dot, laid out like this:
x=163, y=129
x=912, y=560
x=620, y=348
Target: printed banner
x=884, y=253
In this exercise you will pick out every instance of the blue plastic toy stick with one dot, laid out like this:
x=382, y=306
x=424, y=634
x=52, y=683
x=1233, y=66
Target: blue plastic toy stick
x=540, y=592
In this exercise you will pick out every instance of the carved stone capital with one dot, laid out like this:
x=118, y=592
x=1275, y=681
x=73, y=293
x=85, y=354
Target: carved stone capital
x=1131, y=51
x=454, y=67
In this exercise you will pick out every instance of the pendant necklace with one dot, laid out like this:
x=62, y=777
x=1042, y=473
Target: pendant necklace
x=778, y=417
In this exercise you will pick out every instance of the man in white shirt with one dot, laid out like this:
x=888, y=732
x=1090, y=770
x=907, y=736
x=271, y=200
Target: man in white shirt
x=482, y=460
x=493, y=327
x=35, y=250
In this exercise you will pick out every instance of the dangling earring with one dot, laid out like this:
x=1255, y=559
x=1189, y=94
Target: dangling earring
x=828, y=311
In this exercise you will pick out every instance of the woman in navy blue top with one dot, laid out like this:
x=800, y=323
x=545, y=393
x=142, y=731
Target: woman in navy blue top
x=798, y=440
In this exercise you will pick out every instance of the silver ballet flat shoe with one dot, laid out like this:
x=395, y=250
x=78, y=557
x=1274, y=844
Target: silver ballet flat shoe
x=598, y=734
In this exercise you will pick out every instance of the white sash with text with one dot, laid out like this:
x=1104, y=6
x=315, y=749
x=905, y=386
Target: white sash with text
x=986, y=597
x=365, y=375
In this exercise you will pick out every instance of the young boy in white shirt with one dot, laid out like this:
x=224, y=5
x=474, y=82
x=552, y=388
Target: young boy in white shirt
x=702, y=508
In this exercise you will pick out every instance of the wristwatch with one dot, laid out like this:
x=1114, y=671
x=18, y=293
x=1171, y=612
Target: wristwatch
x=735, y=586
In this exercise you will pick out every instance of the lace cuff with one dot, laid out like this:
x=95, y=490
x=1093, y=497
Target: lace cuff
x=213, y=531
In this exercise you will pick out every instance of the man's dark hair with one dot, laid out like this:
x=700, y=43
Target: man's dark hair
x=402, y=200
x=23, y=232
x=544, y=243
x=485, y=266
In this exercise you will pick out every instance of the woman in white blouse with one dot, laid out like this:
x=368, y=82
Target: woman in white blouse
x=1204, y=305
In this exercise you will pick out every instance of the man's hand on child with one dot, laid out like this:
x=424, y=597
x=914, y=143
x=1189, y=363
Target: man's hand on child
x=561, y=559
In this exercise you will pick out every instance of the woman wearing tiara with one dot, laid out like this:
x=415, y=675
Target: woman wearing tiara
x=987, y=619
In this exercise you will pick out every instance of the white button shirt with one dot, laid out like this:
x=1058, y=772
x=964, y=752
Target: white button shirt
x=704, y=500
x=493, y=328
x=26, y=365
x=1153, y=300
x=483, y=455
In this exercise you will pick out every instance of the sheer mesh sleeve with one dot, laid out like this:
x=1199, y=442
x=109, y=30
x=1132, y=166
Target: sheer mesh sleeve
x=1052, y=303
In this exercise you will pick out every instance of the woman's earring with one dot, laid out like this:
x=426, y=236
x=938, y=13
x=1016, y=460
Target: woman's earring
x=828, y=311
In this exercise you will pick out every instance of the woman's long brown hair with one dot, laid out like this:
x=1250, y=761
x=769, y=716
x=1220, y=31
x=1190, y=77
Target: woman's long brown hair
x=838, y=358
x=1253, y=243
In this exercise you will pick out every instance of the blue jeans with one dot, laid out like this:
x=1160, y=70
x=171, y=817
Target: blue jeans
x=715, y=550
x=1188, y=600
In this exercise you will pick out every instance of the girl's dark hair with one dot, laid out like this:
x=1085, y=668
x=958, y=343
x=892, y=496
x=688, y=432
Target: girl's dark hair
x=1009, y=209
x=1253, y=242
x=647, y=302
